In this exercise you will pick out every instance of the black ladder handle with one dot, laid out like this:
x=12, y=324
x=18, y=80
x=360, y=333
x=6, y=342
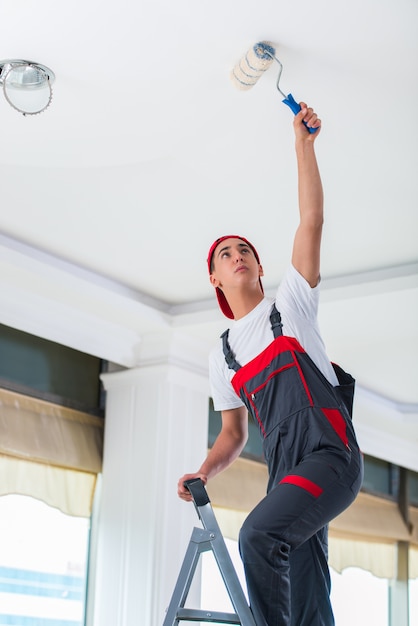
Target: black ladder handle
x=197, y=489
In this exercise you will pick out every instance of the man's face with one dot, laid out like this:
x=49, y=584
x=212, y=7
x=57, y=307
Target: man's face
x=234, y=264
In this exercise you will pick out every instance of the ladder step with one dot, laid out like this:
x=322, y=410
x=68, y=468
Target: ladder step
x=214, y=617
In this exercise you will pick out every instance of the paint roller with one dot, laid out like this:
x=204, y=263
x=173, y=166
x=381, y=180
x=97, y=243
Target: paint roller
x=252, y=66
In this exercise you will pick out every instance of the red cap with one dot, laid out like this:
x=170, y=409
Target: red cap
x=223, y=303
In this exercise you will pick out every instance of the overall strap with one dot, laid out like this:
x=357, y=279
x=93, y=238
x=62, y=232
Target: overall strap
x=276, y=322
x=229, y=355
x=276, y=327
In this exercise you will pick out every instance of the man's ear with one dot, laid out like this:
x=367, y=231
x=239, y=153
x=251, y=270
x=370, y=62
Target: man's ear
x=214, y=281
x=260, y=270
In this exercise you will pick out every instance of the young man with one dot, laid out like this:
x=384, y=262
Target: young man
x=272, y=363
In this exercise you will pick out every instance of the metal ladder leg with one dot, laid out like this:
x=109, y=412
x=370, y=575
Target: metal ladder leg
x=203, y=540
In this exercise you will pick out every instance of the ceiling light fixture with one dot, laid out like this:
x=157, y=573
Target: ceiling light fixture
x=26, y=85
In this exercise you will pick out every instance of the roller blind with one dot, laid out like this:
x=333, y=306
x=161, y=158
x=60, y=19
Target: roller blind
x=49, y=452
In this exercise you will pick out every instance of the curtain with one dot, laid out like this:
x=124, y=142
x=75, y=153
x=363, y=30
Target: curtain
x=49, y=452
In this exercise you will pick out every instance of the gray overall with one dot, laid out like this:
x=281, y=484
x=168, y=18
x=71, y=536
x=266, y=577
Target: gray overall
x=315, y=472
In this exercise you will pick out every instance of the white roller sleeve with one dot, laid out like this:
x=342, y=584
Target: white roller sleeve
x=253, y=65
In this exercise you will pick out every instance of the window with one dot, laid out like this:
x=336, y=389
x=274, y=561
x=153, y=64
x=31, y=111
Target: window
x=43, y=564
x=46, y=389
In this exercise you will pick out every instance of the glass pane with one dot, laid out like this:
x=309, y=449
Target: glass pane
x=214, y=596
x=413, y=601
x=52, y=371
x=254, y=446
x=43, y=564
x=369, y=596
x=413, y=487
x=378, y=476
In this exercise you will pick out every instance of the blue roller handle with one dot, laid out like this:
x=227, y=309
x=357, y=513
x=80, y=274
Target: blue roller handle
x=295, y=106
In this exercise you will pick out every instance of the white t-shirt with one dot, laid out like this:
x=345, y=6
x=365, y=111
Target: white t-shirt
x=297, y=303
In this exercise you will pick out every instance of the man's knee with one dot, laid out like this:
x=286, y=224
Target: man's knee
x=257, y=544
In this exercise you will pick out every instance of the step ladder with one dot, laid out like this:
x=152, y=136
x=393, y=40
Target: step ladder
x=203, y=540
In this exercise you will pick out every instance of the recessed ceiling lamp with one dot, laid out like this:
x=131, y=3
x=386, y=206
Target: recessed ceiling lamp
x=26, y=85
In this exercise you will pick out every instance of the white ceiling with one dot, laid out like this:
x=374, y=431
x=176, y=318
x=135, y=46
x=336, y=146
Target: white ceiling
x=111, y=197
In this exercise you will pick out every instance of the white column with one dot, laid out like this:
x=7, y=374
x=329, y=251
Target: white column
x=155, y=431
